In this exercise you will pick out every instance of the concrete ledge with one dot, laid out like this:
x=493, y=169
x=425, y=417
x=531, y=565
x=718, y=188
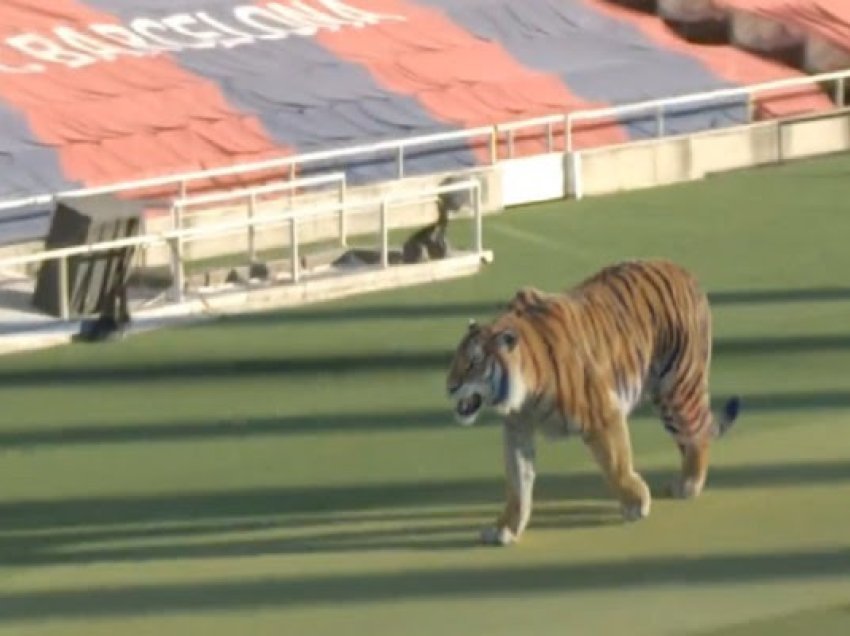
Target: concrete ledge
x=337, y=285
x=37, y=332
x=695, y=20
x=822, y=56
x=759, y=33
x=689, y=10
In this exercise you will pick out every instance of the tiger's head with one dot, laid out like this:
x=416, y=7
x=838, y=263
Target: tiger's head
x=485, y=372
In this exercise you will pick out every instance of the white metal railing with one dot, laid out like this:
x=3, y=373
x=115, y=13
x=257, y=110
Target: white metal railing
x=172, y=237
x=181, y=205
x=659, y=107
x=400, y=147
x=182, y=181
x=336, y=178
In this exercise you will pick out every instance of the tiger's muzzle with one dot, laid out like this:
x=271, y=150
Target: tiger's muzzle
x=468, y=403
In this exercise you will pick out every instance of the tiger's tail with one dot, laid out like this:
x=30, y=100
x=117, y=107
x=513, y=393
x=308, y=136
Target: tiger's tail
x=724, y=420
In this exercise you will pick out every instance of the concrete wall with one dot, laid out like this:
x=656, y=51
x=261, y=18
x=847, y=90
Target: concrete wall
x=810, y=137
x=822, y=56
x=531, y=179
x=688, y=10
x=758, y=33
x=674, y=159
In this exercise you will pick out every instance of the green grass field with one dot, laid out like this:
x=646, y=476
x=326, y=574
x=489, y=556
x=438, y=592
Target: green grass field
x=299, y=472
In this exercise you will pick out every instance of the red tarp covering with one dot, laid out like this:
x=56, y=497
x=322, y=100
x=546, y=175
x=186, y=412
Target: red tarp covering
x=126, y=119
x=458, y=77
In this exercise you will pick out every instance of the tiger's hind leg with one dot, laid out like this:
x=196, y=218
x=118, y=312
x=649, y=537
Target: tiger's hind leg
x=611, y=447
x=691, y=480
x=687, y=416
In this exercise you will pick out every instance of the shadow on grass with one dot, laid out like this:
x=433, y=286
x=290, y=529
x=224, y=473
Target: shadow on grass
x=748, y=296
x=409, y=531
x=236, y=428
x=399, y=361
x=129, y=373
x=32, y=437
x=484, y=309
x=410, y=516
x=830, y=620
x=463, y=310
x=793, y=400
x=462, y=582
x=259, y=505
x=785, y=344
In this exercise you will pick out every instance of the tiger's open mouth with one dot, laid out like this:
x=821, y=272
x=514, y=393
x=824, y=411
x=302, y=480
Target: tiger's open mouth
x=466, y=408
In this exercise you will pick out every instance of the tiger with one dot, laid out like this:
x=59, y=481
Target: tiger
x=577, y=363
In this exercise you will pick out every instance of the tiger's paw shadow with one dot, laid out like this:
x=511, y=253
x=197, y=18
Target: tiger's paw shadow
x=330, y=531
x=448, y=530
x=577, y=516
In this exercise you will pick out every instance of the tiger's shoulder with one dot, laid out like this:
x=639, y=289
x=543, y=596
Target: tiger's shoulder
x=628, y=277
x=636, y=272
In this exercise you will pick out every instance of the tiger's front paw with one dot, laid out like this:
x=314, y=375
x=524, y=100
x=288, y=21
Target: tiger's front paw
x=499, y=536
x=635, y=511
x=636, y=500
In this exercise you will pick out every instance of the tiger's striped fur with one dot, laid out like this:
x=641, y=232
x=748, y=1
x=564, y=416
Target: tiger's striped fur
x=579, y=362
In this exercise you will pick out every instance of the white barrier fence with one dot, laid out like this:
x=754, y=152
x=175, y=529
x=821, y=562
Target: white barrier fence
x=250, y=196
x=174, y=238
x=494, y=135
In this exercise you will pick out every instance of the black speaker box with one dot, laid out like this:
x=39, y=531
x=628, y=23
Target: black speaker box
x=92, y=278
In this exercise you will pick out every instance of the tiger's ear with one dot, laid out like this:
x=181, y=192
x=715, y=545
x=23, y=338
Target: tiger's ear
x=473, y=326
x=507, y=339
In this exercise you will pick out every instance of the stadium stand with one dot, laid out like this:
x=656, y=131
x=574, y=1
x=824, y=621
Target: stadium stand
x=733, y=65
x=822, y=25
x=102, y=91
